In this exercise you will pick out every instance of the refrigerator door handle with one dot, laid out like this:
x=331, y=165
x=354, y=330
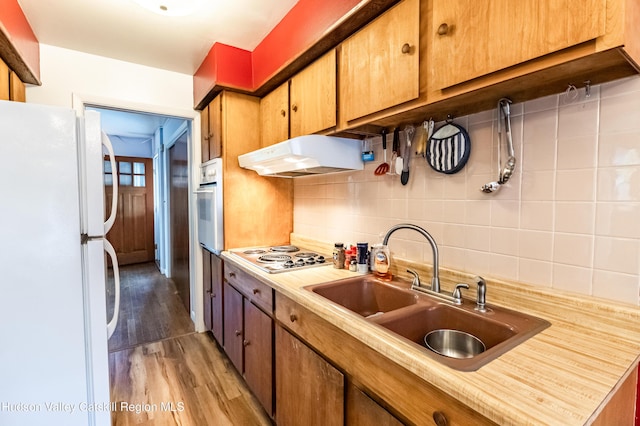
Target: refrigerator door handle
x=111, y=325
x=114, y=172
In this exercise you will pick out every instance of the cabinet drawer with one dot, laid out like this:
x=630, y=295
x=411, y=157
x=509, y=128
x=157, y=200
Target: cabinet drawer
x=257, y=292
x=399, y=389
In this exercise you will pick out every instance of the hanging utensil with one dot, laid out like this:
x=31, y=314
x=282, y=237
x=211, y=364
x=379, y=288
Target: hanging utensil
x=423, y=134
x=384, y=167
x=410, y=132
x=395, y=158
x=504, y=172
x=448, y=148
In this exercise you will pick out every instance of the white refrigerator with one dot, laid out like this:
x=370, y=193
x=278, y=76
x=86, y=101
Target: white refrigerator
x=53, y=317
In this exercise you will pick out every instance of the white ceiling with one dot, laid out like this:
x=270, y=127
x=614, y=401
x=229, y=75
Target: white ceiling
x=121, y=29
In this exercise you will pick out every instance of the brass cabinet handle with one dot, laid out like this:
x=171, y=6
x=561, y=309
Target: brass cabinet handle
x=443, y=29
x=256, y=291
x=293, y=317
x=283, y=112
x=440, y=419
x=238, y=332
x=406, y=48
x=245, y=343
x=213, y=295
x=206, y=138
x=232, y=274
x=294, y=107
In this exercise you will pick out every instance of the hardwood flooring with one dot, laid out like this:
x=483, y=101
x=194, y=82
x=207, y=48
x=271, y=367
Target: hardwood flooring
x=150, y=307
x=182, y=378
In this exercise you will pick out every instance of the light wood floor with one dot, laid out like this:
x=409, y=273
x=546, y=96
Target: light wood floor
x=182, y=378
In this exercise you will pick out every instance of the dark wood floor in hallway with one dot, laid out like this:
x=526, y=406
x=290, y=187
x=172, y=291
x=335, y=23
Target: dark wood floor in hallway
x=164, y=373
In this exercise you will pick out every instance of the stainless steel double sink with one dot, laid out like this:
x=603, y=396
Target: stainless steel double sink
x=412, y=315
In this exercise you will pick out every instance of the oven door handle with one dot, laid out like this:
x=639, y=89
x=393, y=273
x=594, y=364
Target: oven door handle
x=208, y=190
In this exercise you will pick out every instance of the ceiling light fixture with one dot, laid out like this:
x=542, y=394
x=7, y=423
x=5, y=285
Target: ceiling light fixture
x=171, y=7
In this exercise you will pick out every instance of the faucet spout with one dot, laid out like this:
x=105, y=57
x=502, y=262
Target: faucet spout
x=435, y=281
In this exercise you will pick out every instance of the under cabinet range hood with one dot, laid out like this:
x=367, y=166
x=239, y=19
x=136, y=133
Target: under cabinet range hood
x=304, y=156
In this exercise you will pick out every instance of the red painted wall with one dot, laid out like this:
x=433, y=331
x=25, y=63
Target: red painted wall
x=224, y=65
x=19, y=32
x=305, y=24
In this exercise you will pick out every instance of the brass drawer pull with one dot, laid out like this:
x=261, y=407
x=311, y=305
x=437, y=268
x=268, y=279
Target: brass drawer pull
x=256, y=291
x=245, y=343
x=293, y=317
x=440, y=419
x=443, y=29
x=238, y=332
x=406, y=48
x=232, y=274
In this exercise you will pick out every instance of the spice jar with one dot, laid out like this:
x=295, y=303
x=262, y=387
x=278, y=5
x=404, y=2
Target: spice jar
x=338, y=256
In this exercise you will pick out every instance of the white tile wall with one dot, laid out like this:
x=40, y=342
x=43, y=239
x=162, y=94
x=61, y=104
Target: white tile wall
x=569, y=218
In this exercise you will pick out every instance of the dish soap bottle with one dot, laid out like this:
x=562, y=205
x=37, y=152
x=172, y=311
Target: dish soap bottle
x=382, y=263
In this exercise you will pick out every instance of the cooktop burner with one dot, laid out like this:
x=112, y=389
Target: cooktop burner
x=280, y=258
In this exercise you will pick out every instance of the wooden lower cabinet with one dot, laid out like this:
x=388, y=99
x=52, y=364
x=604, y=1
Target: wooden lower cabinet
x=308, y=388
x=248, y=332
x=233, y=326
x=258, y=354
x=212, y=293
x=364, y=411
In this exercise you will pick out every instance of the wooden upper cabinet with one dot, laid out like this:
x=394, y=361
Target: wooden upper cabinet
x=4, y=81
x=472, y=39
x=274, y=116
x=211, y=130
x=17, y=90
x=379, y=65
x=313, y=97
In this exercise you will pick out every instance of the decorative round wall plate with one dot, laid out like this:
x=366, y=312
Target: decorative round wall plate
x=448, y=148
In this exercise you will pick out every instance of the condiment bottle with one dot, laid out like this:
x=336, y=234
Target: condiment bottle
x=348, y=255
x=338, y=256
x=362, y=253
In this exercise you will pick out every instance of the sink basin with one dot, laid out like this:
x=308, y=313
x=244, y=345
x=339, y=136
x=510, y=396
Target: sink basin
x=499, y=330
x=365, y=295
x=412, y=315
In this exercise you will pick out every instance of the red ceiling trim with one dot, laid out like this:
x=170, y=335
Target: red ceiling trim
x=17, y=30
x=304, y=25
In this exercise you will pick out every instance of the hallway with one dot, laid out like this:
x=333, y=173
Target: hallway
x=164, y=373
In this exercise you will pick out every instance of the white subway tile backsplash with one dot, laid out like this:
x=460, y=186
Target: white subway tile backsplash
x=568, y=218
x=619, y=149
x=573, y=249
x=575, y=217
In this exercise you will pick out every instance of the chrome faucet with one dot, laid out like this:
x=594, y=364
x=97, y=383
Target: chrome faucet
x=435, y=281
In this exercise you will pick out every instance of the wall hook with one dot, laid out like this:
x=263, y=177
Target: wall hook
x=587, y=88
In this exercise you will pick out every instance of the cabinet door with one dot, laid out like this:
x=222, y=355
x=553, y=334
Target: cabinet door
x=274, y=116
x=364, y=411
x=204, y=135
x=379, y=65
x=258, y=354
x=474, y=38
x=16, y=88
x=308, y=389
x=217, y=319
x=313, y=97
x=215, y=127
x=233, y=331
x=4, y=81
x=207, y=292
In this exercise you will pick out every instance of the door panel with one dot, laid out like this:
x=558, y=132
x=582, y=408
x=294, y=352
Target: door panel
x=179, y=218
x=132, y=232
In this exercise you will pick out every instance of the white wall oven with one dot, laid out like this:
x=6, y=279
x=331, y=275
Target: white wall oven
x=209, y=196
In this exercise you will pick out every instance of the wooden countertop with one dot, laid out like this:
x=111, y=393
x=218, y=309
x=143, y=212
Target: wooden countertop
x=563, y=375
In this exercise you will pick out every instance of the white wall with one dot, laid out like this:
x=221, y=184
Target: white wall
x=70, y=77
x=569, y=218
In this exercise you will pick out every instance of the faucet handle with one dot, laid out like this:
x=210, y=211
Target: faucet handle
x=457, y=294
x=416, y=278
x=481, y=298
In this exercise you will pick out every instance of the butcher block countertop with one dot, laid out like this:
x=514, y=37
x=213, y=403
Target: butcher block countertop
x=564, y=375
